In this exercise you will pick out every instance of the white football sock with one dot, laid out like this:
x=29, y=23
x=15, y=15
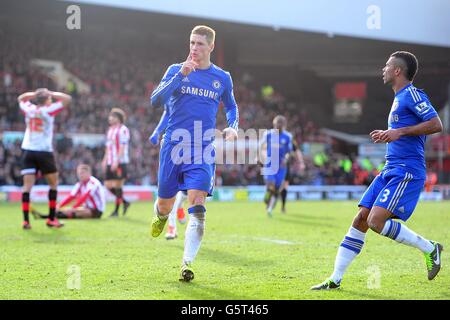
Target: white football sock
x=402, y=234
x=180, y=199
x=348, y=250
x=193, y=237
x=172, y=223
x=173, y=214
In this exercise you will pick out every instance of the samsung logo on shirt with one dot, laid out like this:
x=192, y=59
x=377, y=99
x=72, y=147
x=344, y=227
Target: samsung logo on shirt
x=200, y=92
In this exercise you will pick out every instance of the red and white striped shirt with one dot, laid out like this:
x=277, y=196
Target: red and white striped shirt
x=90, y=192
x=39, y=121
x=116, y=136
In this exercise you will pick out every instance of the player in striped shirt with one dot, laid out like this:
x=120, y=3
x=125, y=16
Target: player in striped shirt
x=37, y=148
x=116, y=158
x=89, y=196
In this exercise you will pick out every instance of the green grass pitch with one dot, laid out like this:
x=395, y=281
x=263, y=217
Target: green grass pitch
x=244, y=255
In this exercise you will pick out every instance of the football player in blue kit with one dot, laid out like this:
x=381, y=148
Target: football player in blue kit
x=276, y=146
x=191, y=93
x=394, y=193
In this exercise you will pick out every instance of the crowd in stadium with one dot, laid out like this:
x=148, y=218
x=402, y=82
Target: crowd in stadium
x=116, y=80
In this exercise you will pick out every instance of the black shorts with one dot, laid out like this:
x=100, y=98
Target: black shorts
x=96, y=213
x=34, y=161
x=119, y=174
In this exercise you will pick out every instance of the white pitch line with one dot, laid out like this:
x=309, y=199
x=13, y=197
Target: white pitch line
x=277, y=241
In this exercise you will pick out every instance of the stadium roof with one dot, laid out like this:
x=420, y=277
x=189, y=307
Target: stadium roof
x=411, y=21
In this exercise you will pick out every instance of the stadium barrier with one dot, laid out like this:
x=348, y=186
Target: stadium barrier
x=249, y=193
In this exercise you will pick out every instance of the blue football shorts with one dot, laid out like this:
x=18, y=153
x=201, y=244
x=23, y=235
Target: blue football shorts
x=395, y=189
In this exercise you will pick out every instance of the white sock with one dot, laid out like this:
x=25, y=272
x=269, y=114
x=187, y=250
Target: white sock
x=272, y=202
x=194, y=234
x=348, y=250
x=173, y=214
x=181, y=197
x=179, y=201
x=402, y=234
x=172, y=223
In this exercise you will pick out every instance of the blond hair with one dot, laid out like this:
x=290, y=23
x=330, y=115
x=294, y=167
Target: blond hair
x=119, y=113
x=206, y=31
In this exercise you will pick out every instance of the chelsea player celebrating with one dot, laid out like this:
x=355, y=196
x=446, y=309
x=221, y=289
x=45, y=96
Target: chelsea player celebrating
x=191, y=92
x=395, y=192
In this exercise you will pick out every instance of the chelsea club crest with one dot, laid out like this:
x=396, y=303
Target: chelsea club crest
x=216, y=84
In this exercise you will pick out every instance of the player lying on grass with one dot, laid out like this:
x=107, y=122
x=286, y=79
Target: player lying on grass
x=89, y=196
x=394, y=193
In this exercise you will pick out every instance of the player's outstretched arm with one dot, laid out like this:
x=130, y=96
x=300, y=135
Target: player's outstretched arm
x=64, y=98
x=81, y=200
x=66, y=201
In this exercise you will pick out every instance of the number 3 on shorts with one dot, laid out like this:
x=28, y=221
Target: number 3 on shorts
x=386, y=193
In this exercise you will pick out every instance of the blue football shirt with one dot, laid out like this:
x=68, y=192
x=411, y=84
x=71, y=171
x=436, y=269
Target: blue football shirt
x=192, y=102
x=411, y=106
x=280, y=143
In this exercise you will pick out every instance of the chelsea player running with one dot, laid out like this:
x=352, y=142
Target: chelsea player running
x=395, y=192
x=191, y=92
